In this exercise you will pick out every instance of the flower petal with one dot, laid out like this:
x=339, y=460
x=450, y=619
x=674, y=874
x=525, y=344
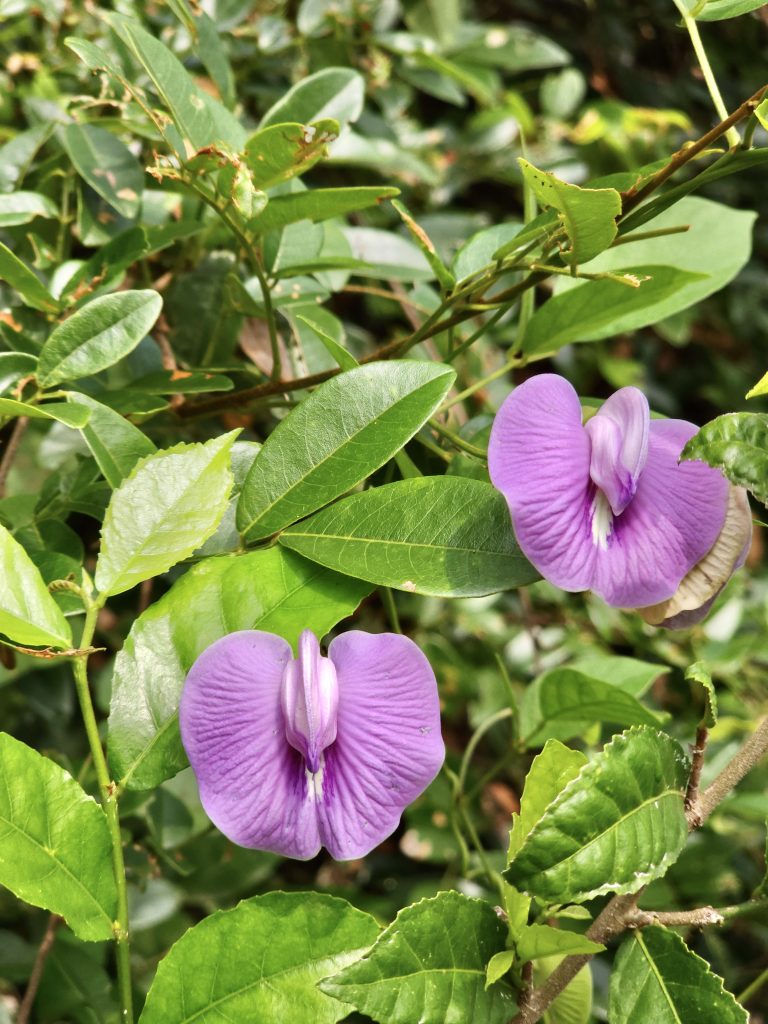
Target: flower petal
x=619, y=435
x=388, y=745
x=538, y=457
x=672, y=522
x=699, y=588
x=253, y=784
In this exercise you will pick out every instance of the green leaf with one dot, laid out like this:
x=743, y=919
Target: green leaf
x=354, y=423
x=55, y=850
x=23, y=207
x=337, y=352
x=30, y=288
x=540, y=940
x=656, y=977
x=498, y=966
x=699, y=673
x=615, y=827
x=564, y=701
x=271, y=589
x=200, y=119
x=549, y=774
x=181, y=382
x=14, y=366
x=317, y=204
x=97, y=335
x=429, y=966
x=717, y=245
x=736, y=443
x=598, y=309
x=588, y=214
x=285, y=151
x=478, y=251
x=447, y=536
x=107, y=263
x=387, y=255
x=50, y=411
x=169, y=505
x=28, y=614
x=335, y=93
x=114, y=442
x=260, y=961
x=107, y=165
x=719, y=10
x=629, y=674
x=514, y=48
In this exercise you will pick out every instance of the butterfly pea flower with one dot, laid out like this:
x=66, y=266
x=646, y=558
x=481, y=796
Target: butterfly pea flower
x=607, y=506
x=292, y=754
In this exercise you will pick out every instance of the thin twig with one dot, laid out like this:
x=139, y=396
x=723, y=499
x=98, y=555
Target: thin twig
x=25, y=1008
x=697, y=918
x=19, y=429
x=742, y=762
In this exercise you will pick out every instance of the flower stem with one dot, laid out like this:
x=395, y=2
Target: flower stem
x=753, y=988
x=109, y=803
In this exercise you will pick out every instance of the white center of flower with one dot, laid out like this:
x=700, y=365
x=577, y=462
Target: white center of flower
x=602, y=520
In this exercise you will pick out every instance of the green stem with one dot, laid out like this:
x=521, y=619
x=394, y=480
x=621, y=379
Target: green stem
x=388, y=600
x=477, y=735
x=753, y=988
x=269, y=313
x=692, y=28
x=485, y=326
x=109, y=802
x=458, y=442
x=479, y=384
x=530, y=209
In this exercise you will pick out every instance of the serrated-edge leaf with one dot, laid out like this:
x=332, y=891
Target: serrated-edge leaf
x=708, y=1002
x=68, y=808
x=699, y=673
x=539, y=866
x=736, y=443
x=115, y=574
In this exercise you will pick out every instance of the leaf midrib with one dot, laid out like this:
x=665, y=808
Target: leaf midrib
x=92, y=338
x=349, y=439
x=662, y=985
x=401, y=543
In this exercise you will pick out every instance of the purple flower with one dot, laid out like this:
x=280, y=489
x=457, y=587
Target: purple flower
x=292, y=754
x=606, y=505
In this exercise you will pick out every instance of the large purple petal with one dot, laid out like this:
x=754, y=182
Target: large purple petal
x=538, y=457
x=253, y=784
x=388, y=745
x=671, y=523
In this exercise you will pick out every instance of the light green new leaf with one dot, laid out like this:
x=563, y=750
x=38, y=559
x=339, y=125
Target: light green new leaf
x=615, y=827
x=349, y=427
x=657, y=978
x=446, y=536
x=317, y=204
x=170, y=504
x=200, y=119
x=30, y=288
x=60, y=411
x=115, y=443
x=107, y=165
x=97, y=335
x=261, y=961
x=549, y=774
x=335, y=93
x=540, y=940
x=588, y=214
x=429, y=966
x=28, y=614
x=271, y=589
x=699, y=673
x=598, y=309
x=719, y=10
x=22, y=207
x=565, y=701
x=55, y=850
x=736, y=443
x=285, y=151
x=574, y=1004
